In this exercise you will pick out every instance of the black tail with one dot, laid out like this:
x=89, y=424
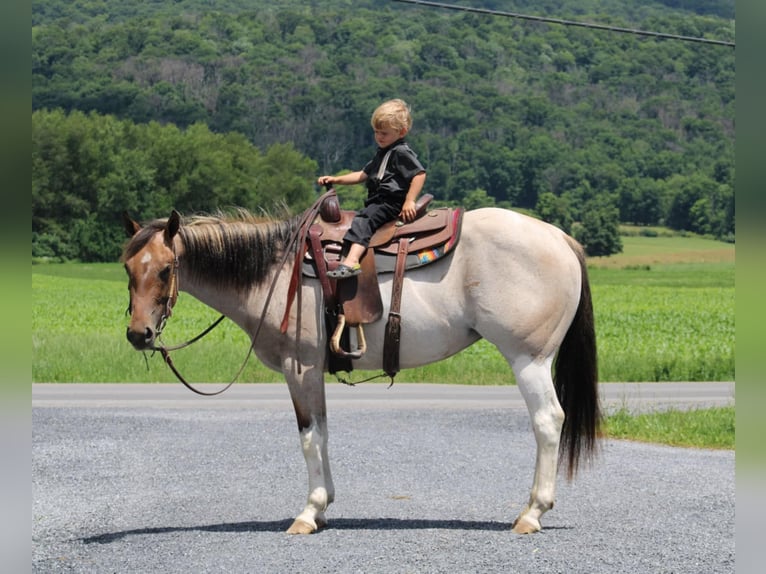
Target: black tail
x=576, y=379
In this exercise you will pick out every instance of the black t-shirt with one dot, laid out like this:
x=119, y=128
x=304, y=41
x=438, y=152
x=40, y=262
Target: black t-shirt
x=402, y=166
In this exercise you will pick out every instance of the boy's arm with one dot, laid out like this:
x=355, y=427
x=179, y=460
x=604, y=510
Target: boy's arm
x=408, y=209
x=347, y=179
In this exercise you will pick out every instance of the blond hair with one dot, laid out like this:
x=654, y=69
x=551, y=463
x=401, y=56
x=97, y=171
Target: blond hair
x=394, y=114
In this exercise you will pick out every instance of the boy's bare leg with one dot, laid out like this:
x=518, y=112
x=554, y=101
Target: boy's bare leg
x=354, y=254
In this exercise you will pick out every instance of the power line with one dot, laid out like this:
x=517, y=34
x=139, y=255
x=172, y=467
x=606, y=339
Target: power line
x=567, y=22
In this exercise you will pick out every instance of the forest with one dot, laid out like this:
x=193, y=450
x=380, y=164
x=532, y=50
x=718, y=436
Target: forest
x=201, y=105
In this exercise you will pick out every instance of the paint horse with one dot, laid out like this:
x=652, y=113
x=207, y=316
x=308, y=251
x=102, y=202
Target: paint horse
x=517, y=282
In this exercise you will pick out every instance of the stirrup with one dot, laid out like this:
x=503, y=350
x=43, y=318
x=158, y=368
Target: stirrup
x=335, y=341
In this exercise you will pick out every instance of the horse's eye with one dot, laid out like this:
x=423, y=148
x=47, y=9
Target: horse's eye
x=131, y=280
x=165, y=274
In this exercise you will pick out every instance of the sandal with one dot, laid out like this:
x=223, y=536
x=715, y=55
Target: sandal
x=343, y=271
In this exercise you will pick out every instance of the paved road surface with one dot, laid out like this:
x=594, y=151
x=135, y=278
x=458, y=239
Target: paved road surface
x=151, y=478
x=636, y=396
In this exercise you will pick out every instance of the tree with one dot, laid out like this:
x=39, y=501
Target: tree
x=642, y=201
x=554, y=210
x=518, y=112
x=286, y=177
x=598, y=230
x=478, y=198
x=88, y=169
x=537, y=155
x=686, y=194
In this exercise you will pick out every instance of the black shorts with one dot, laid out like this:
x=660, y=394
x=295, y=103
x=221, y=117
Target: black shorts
x=369, y=220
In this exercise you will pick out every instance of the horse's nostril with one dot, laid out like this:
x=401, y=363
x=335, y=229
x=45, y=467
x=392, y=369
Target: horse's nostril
x=135, y=338
x=140, y=339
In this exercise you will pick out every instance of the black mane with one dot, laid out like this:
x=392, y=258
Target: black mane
x=223, y=250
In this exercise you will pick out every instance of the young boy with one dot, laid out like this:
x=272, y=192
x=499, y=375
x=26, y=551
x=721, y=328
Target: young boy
x=394, y=178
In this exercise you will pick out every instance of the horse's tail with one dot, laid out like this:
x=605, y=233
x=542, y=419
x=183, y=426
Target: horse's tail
x=576, y=378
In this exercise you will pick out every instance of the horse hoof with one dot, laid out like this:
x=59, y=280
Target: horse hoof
x=301, y=527
x=526, y=525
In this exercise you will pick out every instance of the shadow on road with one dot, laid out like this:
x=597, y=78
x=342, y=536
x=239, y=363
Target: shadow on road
x=337, y=524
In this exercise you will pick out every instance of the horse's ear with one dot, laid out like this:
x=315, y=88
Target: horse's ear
x=131, y=227
x=174, y=222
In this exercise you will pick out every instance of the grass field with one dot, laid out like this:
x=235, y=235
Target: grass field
x=640, y=251
x=668, y=318
x=701, y=428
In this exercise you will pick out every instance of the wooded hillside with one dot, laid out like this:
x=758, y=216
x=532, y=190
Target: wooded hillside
x=562, y=120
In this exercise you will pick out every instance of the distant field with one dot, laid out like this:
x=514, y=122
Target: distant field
x=670, y=319
x=641, y=251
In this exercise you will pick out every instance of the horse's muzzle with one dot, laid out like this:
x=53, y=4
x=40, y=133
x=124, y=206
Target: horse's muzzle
x=141, y=340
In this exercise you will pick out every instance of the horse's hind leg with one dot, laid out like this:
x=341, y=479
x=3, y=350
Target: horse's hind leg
x=308, y=396
x=547, y=416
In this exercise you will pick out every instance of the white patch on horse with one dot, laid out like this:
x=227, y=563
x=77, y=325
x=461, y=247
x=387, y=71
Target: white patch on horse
x=146, y=258
x=313, y=442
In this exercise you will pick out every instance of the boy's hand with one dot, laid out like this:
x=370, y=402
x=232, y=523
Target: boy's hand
x=408, y=211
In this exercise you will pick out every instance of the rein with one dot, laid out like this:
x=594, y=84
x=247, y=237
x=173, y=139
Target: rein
x=165, y=351
x=294, y=243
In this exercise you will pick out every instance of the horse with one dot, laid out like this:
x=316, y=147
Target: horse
x=518, y=282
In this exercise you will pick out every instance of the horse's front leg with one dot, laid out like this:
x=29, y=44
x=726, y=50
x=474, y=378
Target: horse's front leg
x=308, y=396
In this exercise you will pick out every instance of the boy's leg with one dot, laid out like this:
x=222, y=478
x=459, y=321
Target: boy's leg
x=368, y=221
x=354, y=254
x=349, y=265
x=363, y=226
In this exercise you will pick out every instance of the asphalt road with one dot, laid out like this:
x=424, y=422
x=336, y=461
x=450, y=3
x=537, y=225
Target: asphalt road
x=151, y=478
x=636, y=396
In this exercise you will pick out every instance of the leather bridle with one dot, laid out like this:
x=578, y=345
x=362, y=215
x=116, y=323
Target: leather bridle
x=298, y=238
x=172, y=296
x=170, y=300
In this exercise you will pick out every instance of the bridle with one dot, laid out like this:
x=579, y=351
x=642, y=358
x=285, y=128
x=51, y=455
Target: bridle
x=296, y=240
x=172, y=296
x=170, y=301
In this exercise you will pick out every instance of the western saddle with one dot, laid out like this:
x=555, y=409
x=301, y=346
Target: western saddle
x=356, y=301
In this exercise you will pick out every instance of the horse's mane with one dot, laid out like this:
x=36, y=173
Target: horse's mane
x=225, y=250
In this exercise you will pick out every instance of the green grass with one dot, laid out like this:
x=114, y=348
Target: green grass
x=649, y=251
x=700, y=428
x=668, y=320
x=479, y=364
x=648, y=333
x=633, y=246
x=682, y=275
x=78, y=333
x=665, y=310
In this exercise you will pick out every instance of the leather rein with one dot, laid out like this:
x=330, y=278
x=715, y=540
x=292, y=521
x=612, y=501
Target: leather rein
x=296, y=240
x=165, y=350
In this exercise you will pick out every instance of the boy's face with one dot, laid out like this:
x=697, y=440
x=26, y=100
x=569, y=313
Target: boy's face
x=385, y=136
